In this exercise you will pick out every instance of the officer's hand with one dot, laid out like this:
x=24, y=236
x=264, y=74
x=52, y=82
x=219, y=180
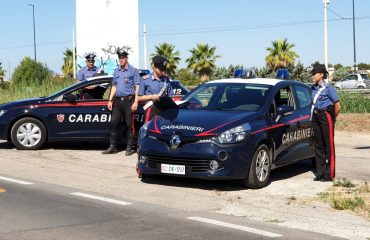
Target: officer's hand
x=155, y=98
x=110, y=105
x=134, y=106
x=90, y=87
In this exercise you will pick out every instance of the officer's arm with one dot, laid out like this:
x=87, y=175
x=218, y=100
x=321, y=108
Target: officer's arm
x=337, y=108
x=112, y=93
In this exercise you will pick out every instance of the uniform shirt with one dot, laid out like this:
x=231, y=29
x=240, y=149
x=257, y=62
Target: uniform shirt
x=126, y=80
x=85, y=73
x=327, y=97
x=151, y=86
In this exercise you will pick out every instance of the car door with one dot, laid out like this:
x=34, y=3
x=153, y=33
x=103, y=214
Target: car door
x=350, y=81
x=285, y=127
x=72, y=115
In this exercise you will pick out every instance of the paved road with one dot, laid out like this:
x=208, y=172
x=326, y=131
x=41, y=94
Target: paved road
x=291, y=200
x=43, y=211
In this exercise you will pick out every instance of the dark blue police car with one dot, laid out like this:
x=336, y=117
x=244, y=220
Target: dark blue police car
x=230, y=129
x=74, y=113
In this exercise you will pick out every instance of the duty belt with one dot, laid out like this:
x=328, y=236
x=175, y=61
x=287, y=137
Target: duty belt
x=129, y=98
x=316, y=111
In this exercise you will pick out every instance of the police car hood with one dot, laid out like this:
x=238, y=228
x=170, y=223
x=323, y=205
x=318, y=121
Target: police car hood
x=22, y=103
x=200, y=123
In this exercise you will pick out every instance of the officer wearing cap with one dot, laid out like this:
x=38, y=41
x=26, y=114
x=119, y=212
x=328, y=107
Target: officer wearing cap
x=89, y=70
x=325, y=109
x=123, y=101
x=154, y=86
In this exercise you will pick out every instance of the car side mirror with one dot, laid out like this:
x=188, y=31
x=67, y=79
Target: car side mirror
x=69, y=97
x=283, y=111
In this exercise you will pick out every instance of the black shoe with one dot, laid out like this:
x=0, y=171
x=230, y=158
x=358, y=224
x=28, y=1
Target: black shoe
x=129, y=152
x=318, y=179
x=111, y=150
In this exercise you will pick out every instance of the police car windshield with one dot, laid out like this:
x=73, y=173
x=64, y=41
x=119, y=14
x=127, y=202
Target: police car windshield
x=228, y=97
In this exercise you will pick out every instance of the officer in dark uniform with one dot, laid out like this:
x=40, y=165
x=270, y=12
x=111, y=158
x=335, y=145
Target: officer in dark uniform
x=325, y=109
x=123, y=101
x=155, y=85
x=89, y=70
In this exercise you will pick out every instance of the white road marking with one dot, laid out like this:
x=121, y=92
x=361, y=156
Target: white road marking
x=15, y=181
x=100, y=198
x=235, y=226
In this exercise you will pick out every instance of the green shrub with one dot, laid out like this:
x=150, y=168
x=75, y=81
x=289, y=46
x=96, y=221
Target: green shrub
x=30, y=73
x=354, y=103
x=343, y=182
x=348, y=203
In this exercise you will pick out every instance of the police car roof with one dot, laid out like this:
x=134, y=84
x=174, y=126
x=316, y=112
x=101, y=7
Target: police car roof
x=266, y=81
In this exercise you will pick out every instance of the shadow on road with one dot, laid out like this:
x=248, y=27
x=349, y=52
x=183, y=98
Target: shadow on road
x=289, y=171
x=6, y=145
x=365, y=147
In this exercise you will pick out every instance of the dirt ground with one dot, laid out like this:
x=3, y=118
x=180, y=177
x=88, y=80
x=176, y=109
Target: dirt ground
x=353, y=122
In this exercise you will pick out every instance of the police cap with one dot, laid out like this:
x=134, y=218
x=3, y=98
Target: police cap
x=121, y=52
x=90, y=56
x=319, y=68
x=159, y=62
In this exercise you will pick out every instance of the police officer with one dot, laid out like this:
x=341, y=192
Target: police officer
x=325, y=109
x=123, y=101
x=155, y=85
x=89, y=70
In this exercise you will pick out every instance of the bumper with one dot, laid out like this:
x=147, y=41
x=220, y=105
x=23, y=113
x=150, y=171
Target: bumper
x=196, y=159
x=3, y=130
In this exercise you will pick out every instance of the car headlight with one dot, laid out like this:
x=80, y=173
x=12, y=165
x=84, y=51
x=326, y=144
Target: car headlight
x=143, y=131
x=2, y=112
x=234, y=135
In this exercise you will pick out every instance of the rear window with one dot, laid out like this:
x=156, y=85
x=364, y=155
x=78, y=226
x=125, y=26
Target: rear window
x=364, y=76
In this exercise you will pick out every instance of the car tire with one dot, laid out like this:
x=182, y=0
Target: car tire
x=360, y=87
x=28, y=134
x=337, y=88
x=259, y=171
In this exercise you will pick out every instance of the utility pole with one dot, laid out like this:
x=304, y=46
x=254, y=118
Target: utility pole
x=74, y=53
x=145, y=62
x=326, y=3
x=34, y=28
x=354, y=36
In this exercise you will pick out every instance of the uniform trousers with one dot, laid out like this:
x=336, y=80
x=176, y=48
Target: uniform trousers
x=323, y=126
x=122, y=110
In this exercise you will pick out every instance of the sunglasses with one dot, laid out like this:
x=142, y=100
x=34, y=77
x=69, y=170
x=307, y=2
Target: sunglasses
x=122, y=57
x=90, y=61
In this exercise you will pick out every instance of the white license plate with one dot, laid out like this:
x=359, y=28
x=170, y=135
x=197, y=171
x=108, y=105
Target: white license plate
x=173, y=169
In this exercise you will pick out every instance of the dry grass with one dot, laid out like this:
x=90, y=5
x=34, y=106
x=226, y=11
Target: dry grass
x=353, y=122
x=344, y=195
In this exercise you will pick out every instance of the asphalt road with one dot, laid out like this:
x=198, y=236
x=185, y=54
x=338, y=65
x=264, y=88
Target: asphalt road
x=43, y=212
x=161, y=207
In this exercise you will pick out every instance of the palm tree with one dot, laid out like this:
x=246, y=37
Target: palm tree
x=67, y=67
x=167, y=51
x=202, y=61
x=280, y=54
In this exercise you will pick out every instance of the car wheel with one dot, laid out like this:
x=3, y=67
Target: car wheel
x=360, y=87
x=337, y=88
x=259, y=171
x=28, y=134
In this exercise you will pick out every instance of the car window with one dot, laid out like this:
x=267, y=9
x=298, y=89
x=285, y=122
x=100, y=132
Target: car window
x=285, y=97
x=91, y=91
x=304, y=96
x=364, y=76
x=229, y=97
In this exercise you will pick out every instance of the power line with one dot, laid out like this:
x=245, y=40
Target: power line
x=241, y=28
x=27, y=46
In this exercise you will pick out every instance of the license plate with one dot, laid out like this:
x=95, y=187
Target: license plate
x=173, y=169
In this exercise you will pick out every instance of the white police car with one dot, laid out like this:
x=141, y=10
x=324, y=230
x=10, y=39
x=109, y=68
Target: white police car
x=230, y=129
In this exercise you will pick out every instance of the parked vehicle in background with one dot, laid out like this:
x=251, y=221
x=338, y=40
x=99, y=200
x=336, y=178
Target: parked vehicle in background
x=354, y=80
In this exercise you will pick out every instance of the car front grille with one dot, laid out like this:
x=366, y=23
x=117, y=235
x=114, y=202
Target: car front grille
x=192, y=165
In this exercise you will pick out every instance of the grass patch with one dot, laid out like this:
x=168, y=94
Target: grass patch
x=275, y=221
x=344, y=195
x=343, y=182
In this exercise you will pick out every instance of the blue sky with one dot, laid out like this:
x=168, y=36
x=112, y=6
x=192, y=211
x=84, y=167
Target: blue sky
x=240, y=29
